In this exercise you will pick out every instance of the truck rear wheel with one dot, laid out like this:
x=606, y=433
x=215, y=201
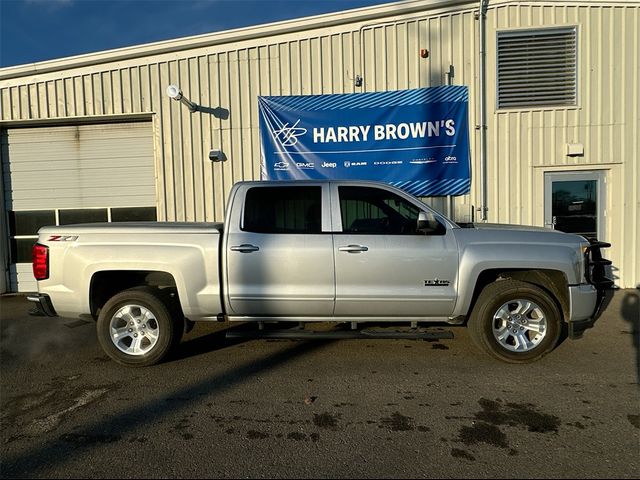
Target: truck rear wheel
x=516, y=322
x=136, y=327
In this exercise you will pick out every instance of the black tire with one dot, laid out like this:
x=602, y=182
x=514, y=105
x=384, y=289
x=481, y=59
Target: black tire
x=144, y=313
x=498, y=327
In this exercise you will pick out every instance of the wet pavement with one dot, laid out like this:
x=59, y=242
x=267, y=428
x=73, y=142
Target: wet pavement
x=330, y=409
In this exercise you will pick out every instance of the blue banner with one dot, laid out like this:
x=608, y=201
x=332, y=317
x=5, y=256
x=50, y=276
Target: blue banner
x=417, y=140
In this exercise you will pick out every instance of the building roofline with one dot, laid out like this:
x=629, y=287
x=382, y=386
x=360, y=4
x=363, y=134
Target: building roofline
x=363, y=14
x=238, y=34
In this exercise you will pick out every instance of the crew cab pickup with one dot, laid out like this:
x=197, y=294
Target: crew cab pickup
x=319, y=251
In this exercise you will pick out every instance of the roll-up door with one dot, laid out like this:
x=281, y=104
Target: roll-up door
x=73, y=174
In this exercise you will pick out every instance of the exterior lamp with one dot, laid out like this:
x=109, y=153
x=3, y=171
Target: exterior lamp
x=173, y=91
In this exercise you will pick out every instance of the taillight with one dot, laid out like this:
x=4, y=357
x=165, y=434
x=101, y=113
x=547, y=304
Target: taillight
x=40, y=255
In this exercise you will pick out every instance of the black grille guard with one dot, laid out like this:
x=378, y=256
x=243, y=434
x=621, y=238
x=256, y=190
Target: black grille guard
x=595, y=265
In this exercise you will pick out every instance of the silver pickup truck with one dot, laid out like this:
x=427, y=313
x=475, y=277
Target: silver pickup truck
x=320, y=251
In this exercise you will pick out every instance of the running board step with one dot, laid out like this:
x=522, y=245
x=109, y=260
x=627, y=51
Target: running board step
x=339, y=334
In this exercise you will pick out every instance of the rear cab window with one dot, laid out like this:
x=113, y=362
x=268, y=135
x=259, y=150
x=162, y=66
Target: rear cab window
x=293, y=210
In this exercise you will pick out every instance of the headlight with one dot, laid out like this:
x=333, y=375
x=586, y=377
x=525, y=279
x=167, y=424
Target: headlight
x=580, y=267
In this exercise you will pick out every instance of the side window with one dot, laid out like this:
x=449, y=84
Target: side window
x=283, y=210
x=376, y=211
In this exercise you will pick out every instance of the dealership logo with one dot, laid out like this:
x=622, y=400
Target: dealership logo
x=288, y=135
x=349, y=164
x=281, y=166
x=450, y=159
x=305, y=166
x=389, y=162
x=329, y=165
x=419, y=161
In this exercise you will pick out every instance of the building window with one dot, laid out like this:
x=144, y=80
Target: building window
x=537, y=68
x=24, y=225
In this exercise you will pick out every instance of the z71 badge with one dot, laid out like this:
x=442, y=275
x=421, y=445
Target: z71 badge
x=436, y=283
x=63, y=238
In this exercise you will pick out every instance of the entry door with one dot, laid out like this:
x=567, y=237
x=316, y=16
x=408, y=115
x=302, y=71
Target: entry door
x=574, y=203
x=384, y=267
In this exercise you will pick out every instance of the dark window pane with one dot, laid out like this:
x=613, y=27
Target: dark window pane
x=21, y=249
x=87, y=215
x=283, y=210
x=28, y=223
x=137, y=214
x=376, y=211
x=574, y=206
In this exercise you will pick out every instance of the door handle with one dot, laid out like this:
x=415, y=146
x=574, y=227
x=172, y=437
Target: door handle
x=353, y=248
x=245, y=248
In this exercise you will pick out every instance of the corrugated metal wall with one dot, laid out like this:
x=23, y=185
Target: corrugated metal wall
x=226, y=79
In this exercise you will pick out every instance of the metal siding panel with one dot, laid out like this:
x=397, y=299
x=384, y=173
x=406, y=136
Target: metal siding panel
x=147, y=94
x=213, y=180
x=235, y=126
x=197, y=144
x=5, y=97
x=224, y=170
x=125, y=92
x=205, y=200
x=23, y=95
x=185, y=141
x=43, y=105
x=245, y=102
x=338, y=67
x=252, y=153
x=52, y=99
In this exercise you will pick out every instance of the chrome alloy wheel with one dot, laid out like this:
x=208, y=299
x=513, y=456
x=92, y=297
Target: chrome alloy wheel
x=134, y=329
x=519, y=325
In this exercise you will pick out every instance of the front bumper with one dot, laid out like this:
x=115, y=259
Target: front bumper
x=583, y=302
x=43, y=304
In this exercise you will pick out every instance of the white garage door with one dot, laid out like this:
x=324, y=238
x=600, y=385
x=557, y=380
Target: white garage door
x=73, y=174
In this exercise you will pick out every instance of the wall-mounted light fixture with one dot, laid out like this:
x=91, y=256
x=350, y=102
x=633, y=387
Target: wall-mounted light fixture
x=173, y=91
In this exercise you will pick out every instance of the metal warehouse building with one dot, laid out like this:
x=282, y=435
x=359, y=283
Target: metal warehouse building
x=554, y=106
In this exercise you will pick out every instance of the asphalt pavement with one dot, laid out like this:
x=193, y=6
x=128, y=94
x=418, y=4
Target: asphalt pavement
x=317, y=409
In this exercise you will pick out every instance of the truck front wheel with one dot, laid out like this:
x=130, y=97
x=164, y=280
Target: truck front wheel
x=516, y=322
x=136, y=327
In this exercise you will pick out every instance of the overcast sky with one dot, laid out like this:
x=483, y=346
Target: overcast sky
x=37, y=30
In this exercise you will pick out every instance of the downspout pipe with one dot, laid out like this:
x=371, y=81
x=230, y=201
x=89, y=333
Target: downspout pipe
x=482, y=17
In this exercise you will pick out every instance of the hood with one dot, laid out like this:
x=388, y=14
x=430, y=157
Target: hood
x=508, y=226
x=499, y=233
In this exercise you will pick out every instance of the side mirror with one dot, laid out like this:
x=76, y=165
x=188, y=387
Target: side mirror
x=429, y=224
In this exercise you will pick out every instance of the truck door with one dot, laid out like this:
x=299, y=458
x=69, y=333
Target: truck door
x=384, y=266
x=279, y=252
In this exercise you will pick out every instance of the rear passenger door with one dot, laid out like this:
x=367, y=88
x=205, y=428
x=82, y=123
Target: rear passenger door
x=279, y=252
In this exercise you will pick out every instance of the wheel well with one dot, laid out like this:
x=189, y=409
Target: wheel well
x=105, y=285
x=551, y=281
